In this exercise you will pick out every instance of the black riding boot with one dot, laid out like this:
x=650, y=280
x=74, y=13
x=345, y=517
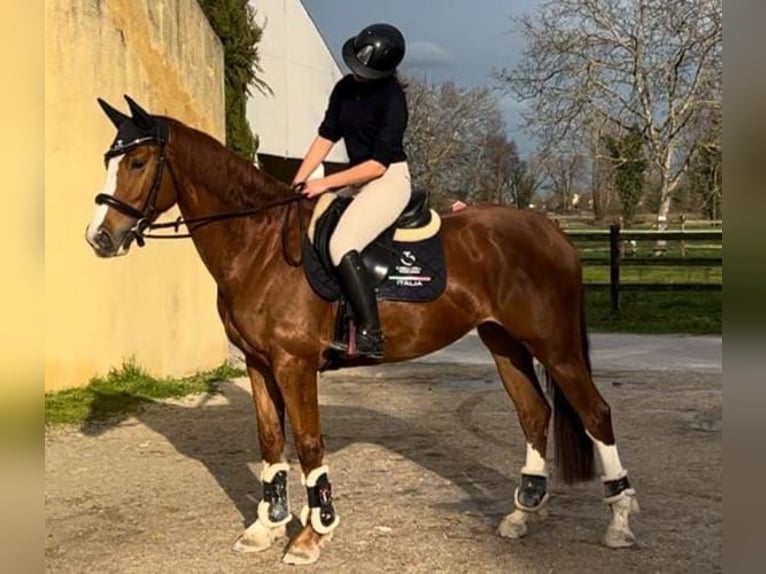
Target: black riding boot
x=361, y=296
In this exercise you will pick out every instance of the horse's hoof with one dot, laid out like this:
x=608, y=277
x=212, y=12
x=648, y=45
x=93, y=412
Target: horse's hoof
x=618, y=534
x=305, y=554
x=304, y=548
x=258, y=538
x=619, y=538
x=540, y=515
x=513, y=526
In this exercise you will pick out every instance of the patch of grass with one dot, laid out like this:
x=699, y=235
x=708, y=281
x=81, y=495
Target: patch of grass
x=657, y=312
x=127, y=390
x=656, y=274
x=600, y=249
x=692, y=312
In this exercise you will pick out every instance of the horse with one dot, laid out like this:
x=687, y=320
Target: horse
x=512, y=275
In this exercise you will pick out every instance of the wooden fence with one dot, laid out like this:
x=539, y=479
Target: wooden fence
x=624, y=252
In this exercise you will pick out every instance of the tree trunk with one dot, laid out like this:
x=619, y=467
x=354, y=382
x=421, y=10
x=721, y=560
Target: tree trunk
x=664, y=210
x=666, y=189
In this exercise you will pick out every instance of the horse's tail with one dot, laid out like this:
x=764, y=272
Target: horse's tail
x=574, y=449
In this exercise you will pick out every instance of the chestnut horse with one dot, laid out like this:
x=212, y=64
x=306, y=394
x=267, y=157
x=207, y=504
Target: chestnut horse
x=512, y=275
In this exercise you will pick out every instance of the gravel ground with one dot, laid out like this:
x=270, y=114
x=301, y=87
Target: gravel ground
x=424, y=458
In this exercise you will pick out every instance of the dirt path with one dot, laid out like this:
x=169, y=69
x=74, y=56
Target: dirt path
x=423, y=472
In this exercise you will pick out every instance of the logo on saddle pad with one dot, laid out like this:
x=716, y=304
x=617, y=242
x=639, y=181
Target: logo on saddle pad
x=408, y=258
x=407, y=273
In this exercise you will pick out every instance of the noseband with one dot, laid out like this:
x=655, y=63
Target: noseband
x=144, y=216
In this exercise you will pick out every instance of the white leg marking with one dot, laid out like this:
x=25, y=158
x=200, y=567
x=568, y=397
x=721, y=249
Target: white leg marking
x=535, y=462
x=610, y=460
x=110, y=186
x=618, y=533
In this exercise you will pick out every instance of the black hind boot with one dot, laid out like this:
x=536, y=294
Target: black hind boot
x=361, y=296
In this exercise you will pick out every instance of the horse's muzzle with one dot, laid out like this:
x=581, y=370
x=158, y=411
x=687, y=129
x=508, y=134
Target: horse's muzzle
x=104, y=244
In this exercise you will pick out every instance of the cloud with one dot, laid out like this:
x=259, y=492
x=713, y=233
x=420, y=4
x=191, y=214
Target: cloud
x=424, y=54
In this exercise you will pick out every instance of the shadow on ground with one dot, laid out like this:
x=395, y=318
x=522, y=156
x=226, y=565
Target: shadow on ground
x=230, y=462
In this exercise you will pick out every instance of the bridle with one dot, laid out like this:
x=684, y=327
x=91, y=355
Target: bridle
x=145, y=215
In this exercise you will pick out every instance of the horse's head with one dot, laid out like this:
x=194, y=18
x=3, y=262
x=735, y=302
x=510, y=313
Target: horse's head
x=137, y=187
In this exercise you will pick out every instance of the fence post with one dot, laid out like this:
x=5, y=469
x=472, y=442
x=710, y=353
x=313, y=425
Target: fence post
x=614, y=266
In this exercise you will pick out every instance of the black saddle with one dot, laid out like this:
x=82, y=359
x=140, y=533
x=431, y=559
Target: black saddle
x=417, y=213
x=410, y=270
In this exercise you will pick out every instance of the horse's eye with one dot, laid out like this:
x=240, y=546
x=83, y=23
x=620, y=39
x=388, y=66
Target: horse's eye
x=137, y=163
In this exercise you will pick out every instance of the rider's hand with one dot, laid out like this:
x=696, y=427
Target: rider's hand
x=314, y=187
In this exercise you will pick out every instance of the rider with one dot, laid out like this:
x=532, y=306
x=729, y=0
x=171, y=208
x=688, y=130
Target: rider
x=368, y=109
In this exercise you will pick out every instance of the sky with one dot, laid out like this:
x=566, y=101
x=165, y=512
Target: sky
x=447, y=40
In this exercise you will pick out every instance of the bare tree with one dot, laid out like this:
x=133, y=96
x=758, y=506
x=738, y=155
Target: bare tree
x=602, y=193
x=456, y=141
x=493, y=171
x=651, y=63
x=526, y=180
x=565, y=175
x=705, y=177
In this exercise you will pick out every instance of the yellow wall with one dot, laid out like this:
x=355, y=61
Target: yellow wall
x=157, y=304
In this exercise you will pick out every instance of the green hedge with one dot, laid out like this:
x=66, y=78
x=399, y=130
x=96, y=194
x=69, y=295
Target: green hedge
x=234, y=22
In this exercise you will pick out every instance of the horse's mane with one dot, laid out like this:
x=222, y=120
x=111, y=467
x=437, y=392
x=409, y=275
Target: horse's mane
x=230, y=177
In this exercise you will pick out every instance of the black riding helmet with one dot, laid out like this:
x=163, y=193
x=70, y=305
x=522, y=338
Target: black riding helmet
x=375, y=52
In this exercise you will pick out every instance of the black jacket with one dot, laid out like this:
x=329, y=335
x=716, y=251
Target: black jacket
x=371, y=118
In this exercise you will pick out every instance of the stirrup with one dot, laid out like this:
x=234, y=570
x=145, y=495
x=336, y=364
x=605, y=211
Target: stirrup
x=338, y=346
x=369, y=343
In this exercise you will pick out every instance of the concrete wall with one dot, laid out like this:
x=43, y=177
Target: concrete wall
x=157, y=304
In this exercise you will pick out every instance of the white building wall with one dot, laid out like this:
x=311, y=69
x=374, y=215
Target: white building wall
x=300, y=70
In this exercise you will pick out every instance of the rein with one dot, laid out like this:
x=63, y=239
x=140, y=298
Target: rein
x=196, y=223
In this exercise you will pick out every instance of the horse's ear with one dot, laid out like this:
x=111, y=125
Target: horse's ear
x=140, y=115
x=115, y=115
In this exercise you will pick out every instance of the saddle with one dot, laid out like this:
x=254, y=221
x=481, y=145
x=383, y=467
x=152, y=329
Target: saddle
x=404, y=263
